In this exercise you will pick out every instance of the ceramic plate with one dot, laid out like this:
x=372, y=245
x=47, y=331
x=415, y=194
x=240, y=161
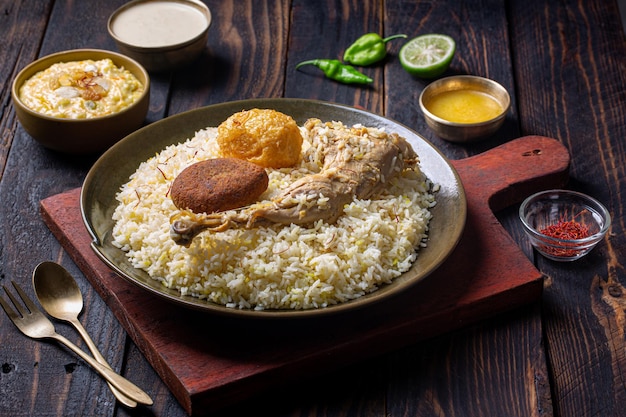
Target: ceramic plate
x=114, y=167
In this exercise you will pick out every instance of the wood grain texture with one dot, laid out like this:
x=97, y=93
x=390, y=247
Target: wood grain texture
x=480, y=31
x=245, y=36
x=457, y=362
x=35, y=374
x=21, y=31
x=486, y=274
x=581, y=71
x=563, y=63
x=325, y=32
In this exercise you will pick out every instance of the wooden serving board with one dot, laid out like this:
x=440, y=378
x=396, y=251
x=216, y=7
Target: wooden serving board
x=211, y=361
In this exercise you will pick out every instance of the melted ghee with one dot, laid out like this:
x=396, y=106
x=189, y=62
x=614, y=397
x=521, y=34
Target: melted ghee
x=464, y=106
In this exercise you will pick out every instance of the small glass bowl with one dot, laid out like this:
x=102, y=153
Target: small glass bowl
x=554, y=208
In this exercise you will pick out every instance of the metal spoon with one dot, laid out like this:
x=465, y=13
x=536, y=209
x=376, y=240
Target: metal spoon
x=60, y=296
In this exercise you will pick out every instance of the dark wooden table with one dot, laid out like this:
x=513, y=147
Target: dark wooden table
x=564, y=64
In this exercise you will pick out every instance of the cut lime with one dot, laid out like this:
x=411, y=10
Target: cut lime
x=427, y=56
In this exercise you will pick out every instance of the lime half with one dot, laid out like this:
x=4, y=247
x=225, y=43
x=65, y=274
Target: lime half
x=427, y=56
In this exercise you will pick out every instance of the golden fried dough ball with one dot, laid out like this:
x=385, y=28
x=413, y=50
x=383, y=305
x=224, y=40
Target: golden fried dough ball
x=265, y=137
x=218, y=184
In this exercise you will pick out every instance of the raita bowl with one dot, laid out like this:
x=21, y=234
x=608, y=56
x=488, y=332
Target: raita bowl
x=163, y=35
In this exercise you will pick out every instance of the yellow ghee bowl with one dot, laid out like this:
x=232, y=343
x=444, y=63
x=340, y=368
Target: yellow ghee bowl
x=464, y=108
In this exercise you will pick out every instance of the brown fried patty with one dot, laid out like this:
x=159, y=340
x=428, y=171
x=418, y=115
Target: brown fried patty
x=218, y=184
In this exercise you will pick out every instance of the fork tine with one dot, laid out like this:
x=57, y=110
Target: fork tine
x=19, y=306
x=37, y=326
x=7, y=308
x=27, y=300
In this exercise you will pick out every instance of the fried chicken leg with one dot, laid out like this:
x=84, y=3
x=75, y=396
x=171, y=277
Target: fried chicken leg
x=357, y=163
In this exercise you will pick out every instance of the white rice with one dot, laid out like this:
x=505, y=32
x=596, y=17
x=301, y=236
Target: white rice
x=282, y=267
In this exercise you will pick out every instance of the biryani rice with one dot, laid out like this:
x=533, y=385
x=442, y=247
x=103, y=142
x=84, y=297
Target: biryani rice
x=280, y=267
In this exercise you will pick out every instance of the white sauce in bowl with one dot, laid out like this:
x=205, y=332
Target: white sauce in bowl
x=159, y=23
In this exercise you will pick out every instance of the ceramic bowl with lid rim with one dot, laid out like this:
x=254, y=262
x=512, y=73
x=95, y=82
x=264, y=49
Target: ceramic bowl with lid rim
x=464, y=132
x=163, y=35
x=81, y=136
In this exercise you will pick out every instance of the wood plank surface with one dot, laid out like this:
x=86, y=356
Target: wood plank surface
x=487, y=274
x=563, y=63
x=580, y=71
x=17, y=49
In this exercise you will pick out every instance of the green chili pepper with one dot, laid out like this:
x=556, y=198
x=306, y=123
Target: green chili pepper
x=368, y=49
x=335, y=70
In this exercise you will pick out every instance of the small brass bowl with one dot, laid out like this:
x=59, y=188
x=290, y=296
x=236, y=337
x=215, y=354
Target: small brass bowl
x=163, y=36
x=464, y=131
x=81, y=136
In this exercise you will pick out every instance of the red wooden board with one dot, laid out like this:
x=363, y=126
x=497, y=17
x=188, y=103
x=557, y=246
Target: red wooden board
x=209, y=361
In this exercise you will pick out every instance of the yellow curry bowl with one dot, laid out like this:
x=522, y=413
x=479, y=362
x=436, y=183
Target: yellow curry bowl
x=81, y=101
x=464, y=108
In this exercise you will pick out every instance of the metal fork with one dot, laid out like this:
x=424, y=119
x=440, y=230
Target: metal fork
x=32, y=322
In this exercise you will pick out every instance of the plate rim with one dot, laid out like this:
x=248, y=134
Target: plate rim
x=98, y=239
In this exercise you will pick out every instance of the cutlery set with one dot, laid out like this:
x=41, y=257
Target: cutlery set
x=60, y=297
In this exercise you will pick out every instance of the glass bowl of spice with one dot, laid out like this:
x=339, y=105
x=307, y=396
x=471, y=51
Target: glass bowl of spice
x=564, y=225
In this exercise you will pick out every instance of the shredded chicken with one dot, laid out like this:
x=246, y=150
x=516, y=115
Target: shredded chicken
x=357, y=163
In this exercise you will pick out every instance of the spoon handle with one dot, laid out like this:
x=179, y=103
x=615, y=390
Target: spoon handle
x=124, y=385
x=121, y=397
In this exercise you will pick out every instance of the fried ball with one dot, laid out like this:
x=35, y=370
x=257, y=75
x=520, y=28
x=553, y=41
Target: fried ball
x=265, y=137
x=218, y=184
